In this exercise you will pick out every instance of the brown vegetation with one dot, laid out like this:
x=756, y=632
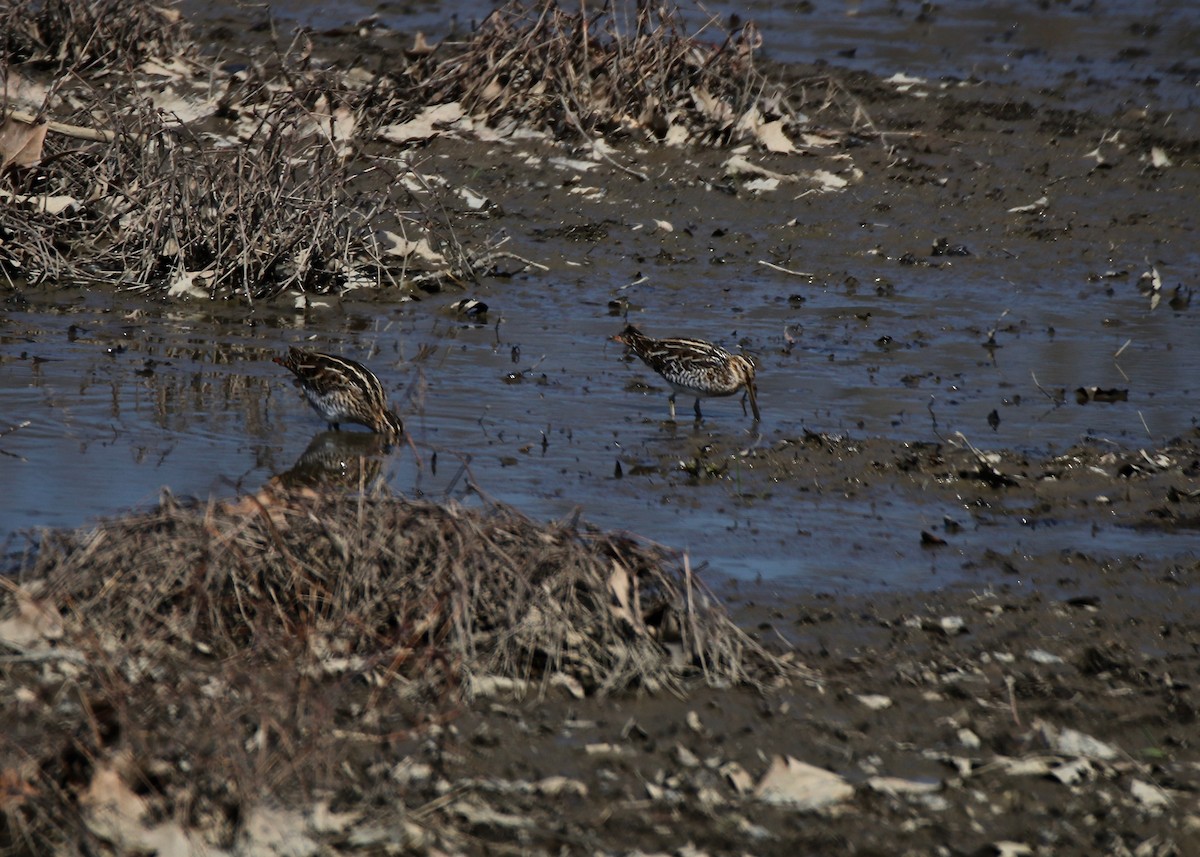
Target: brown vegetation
x=166, y=171
x=231, y=652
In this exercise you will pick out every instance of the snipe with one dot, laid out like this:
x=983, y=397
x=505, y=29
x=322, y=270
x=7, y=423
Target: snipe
x=694, y=367
x=342, y=391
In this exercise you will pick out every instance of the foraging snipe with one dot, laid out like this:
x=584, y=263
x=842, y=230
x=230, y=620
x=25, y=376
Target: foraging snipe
x=342, y=390
x=694, y=367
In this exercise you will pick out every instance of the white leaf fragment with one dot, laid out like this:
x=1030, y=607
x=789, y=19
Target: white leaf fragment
x=739, y=166
x=874, y=701
x=801, y=786
x=430, y=122
x=1041, y=656
x=827, y=181
x=276, y=831
x=1159, y=158
x=46, y=203
x=397, y=245
x=1039, y=204
x=1005, y=848
x=904, y=82
x=1148, y=795
x=738, y=777
x=772, y=138
x=36, y=621
x=1072, y=742
x=901, y=786
x=762, y=185
x=473, y=200
x=194, y=284
x=1070, y=773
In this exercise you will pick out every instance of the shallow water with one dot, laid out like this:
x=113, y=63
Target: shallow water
x=126, y=399
x=1117, y=54
x=127, y=396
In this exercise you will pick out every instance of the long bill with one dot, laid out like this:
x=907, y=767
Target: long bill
x=752, y=392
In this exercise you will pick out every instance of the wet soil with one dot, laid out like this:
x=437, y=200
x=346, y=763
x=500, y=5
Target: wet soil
x=950, y=733
x=1073, y=535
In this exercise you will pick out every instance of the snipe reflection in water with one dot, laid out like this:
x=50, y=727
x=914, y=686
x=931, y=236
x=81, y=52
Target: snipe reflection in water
x=339, y=460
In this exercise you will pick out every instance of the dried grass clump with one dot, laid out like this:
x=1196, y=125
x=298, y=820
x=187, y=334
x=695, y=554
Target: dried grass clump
x=98, y=33
x=230, y=652
x=611, y=69
x=400, y=582
x=250, y=191
x=156, y=208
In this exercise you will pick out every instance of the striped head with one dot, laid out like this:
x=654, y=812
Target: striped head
x=633, y=338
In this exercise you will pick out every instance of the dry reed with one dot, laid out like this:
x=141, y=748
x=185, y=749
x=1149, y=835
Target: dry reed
x=237, y=649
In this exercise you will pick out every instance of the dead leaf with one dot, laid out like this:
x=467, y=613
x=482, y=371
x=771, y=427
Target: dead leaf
x=36, y=621
x=1072, y=742
x=49, y=204
x=1006, y=848
x=903, y=82
x=1149, y=796
x=874, y=701
x=773, y=139
x=114, y=813
x=739, y=167
x=762, y=185
x=568, y=683
x=801, y=786
x=738, y=777
x=420, y=46
x=431, y=122
x=1150, y=285
x=324, y=820
x=902, y=786
x=827, y=180
x=559, y=786
x=197, y=284
x=817, y=141
x=21, y=143
x=1038, y=204
x=20, y=90
x=622, y=589
x=393, y=244
x=712, y=107
x=477, y=813
x=276, y=832
x=1070, y=773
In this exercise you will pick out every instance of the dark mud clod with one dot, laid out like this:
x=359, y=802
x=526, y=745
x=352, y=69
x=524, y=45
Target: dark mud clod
x=1084, y=395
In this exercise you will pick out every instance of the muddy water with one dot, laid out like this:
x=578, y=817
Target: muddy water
x=533, y=408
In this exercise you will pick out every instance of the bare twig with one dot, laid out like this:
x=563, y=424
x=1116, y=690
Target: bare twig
x=784, y=270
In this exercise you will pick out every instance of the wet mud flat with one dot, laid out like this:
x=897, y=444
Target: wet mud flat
x=1044, y=704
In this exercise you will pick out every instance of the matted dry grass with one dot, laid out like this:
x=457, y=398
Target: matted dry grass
x=616, y=67
x=129, y=158
x=150, y=166
x=258, y=647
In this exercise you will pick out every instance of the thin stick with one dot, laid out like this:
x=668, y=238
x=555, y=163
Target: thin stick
x=775, y=267
x=1056, y=401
